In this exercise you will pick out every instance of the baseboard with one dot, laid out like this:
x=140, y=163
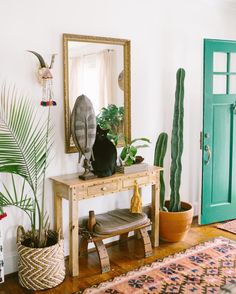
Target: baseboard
x=10, y=264
x=195, y=208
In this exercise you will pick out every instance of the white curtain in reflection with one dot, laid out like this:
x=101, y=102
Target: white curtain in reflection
x=76, y=68
x=91, y=75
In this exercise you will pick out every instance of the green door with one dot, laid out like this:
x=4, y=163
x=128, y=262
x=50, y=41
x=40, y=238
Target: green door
x=219, y=132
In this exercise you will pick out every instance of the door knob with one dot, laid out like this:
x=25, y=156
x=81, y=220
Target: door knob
x=208, y=150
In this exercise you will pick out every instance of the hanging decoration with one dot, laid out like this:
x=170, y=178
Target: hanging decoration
x=2, y=213
x=1, y=255
x=46, y=79
x=136, y=200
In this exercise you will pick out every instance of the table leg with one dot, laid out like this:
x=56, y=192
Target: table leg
x=155, y=215
x=58, y=220
x=73, y=233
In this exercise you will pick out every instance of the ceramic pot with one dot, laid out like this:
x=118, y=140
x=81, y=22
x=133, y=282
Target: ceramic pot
x=174, y=226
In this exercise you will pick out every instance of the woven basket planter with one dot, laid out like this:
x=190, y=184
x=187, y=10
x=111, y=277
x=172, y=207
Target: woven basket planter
x=40, y=268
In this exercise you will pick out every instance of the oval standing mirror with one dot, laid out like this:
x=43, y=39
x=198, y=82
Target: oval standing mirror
x=99, y=68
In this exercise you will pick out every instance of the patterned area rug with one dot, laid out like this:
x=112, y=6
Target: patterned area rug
x=205, y=268
x=228, y=226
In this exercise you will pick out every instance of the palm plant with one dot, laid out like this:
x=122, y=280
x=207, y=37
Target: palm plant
x=24, y=149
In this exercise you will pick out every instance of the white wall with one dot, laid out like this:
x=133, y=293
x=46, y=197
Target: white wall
x=164, y=35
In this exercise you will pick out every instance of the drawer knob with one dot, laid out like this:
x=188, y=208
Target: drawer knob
x=104, y=188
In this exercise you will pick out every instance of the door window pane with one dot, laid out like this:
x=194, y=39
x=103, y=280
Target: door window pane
x=220, y=62
x=219, y=84
x=233, y=62
x=232, y=84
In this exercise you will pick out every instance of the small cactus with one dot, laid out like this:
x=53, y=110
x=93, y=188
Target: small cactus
x=160, y=152
x=177, y=142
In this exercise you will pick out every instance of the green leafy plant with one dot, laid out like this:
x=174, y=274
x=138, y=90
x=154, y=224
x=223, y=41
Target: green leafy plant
x=176, y=147
x=129, y=151
x=112, y=118
x=24, y=149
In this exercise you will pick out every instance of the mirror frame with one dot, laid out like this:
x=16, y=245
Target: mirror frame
x=127, y=78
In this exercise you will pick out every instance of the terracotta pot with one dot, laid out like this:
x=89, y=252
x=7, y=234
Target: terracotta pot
x=174, y=226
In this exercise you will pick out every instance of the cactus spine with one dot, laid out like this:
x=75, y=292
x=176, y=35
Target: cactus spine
x=177, y=142
x=160, y=152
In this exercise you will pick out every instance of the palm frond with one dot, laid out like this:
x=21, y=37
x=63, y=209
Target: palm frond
x=22, y=148
x=22, y=201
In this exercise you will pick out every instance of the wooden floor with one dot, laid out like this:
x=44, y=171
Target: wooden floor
x=122, y=260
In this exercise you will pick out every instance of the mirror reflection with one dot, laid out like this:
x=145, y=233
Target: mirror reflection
x=93, y=71
x=100, y=69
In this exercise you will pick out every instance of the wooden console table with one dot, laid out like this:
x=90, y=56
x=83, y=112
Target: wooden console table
x=71, y=188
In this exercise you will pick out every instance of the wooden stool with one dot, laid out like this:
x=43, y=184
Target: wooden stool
x=113, y=223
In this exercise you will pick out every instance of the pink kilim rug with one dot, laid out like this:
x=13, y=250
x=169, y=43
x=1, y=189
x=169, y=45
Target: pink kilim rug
x=228, y=226
x=204, y=268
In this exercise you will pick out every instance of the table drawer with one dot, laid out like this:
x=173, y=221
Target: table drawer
x=103, y=188
x=127, y=183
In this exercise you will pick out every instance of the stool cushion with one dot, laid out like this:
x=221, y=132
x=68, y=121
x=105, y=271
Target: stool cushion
x=118, y=220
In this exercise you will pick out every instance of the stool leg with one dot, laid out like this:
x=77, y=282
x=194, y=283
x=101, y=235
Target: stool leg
x=123, y=237
x=146, y=242
x=83, y=250
x=137, y=234
x=103, y=256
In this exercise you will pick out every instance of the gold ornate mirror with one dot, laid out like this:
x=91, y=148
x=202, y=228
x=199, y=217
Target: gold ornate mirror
x=99, y=68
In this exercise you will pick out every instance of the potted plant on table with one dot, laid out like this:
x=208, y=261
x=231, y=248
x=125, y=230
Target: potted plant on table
x=24, y=151
x=129, y=160
x=128, y=154
x=175, y=215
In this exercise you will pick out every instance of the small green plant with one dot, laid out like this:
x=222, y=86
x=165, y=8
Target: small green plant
x=112, y=118
x=129, y=151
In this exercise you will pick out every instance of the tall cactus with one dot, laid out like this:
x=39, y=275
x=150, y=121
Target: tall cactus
x=177, y=142
x=160, y=152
